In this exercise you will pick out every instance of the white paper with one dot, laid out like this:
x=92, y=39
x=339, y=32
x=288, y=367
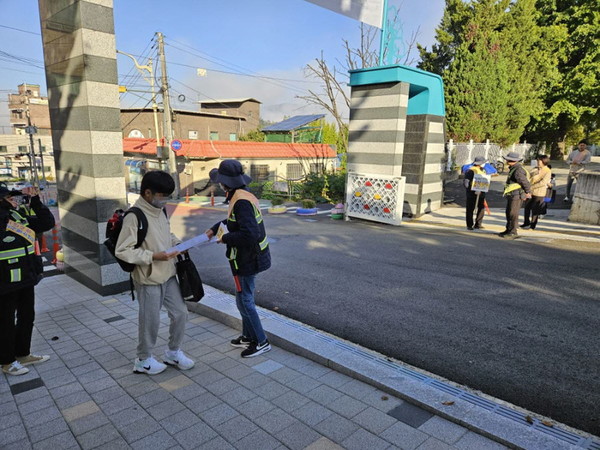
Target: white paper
x=186, y=245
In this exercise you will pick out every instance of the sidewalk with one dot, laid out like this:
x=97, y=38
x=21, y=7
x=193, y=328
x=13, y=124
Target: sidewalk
x=308, y=392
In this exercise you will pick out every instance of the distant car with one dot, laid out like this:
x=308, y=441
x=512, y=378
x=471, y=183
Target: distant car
x=17, y=185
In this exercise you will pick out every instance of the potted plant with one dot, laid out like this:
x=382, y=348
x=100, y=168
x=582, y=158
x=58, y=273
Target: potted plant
x=277, y=206
x=308, y=208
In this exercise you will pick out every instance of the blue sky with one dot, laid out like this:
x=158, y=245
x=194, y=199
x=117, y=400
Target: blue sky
x=262, y=38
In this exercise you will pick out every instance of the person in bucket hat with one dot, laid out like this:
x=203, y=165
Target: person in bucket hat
x=20, y=270
x=516, y=189
x=247, y=251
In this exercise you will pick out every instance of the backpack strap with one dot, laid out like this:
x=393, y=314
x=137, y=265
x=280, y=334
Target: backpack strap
x=142, y=229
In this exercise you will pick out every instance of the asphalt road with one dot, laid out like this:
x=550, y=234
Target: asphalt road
x=518, y=320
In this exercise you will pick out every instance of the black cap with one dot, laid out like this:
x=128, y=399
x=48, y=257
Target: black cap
x=6, y=192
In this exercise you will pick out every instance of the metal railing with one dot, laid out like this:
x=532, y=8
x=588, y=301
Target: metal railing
x=463, y=153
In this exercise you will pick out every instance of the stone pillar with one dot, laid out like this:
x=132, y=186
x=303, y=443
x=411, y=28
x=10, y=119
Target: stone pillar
x=377, y=125
x=586, y=201
x=81, y=75
x=397, y=129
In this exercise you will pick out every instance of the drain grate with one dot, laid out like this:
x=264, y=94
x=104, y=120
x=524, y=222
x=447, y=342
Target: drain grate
x=488, y=405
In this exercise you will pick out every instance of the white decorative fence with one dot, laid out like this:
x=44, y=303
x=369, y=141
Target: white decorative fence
x=375, y=197
x=463, y=153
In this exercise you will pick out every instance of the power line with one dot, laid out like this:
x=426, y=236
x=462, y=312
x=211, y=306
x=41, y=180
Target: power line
x=18, y=29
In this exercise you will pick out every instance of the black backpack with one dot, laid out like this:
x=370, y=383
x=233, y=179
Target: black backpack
x=113, y=229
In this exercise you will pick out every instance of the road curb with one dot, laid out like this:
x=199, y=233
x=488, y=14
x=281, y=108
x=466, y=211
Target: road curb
x=499, y=421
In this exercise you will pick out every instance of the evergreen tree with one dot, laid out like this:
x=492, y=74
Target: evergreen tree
x=494, y=60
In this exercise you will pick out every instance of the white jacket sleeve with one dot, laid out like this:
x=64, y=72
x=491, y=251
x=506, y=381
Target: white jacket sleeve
x=126, y=244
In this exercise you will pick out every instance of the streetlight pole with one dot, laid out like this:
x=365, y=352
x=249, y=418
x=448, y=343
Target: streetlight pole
x=31, y=130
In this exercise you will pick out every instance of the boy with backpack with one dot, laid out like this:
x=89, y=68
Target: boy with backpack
x=154, y=275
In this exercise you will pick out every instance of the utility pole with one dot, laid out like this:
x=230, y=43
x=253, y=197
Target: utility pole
x=42, y=161
x=167, y=114
x=31, y=130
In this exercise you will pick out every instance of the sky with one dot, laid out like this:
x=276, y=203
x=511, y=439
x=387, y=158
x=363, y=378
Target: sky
x=249, y=48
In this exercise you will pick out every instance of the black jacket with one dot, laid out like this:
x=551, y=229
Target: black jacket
x=517, y=174
x=246, y=240
x=19, y=265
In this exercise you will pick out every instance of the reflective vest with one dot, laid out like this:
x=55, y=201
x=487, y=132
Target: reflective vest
x=263, y=243
x=19, y=265
x=510, y=187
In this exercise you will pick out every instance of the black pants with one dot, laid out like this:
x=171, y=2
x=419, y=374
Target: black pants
x=533, y=208
x=471, y=200
x=15, y=337
x=513, y=207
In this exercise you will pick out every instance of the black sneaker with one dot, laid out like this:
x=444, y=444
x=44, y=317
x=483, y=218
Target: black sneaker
x=241, y=341
x=470, y=228
x=255, y=349
x=479, y=227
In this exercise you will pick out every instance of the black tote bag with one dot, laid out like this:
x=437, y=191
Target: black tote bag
x=190, y=282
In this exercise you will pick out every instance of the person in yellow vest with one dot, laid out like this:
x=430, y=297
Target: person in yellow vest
x=472, y=197
x=20, y=270
x=247, y=251
x=516, y=189
x=539, y=179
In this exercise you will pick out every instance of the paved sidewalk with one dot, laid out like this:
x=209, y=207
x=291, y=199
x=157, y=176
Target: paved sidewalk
x=86, y=396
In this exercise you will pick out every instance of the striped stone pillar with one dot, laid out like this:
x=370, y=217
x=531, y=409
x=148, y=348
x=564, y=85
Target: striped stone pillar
x=81, y=76
x=377, y=125
x=397, y=129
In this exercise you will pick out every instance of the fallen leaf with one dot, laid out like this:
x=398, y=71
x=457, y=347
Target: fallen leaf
x=54, y=338
x=449, y=403
x=384, y=398
x=276, y=308
x=547, y=423
x=529, y=419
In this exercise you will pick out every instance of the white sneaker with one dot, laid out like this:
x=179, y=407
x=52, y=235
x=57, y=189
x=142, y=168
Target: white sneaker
x=15, y=368
x=178, y=359
x=149, y=366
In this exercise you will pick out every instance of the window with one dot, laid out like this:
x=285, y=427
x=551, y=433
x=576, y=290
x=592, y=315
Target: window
x=23, y=149
x=43, y=149
x=150, y=133
x=232, y=136
x=293, y=171
x=214, y=136
x=317, y=168
x=259, y=172
x=192, y=134
x=3, y=149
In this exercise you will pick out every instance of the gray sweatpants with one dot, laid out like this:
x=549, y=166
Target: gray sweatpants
x=150, y=299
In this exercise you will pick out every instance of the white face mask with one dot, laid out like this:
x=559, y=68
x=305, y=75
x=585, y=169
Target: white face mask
x=159, y=202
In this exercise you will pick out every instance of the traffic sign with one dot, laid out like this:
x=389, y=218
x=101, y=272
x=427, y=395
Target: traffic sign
x=176, y=144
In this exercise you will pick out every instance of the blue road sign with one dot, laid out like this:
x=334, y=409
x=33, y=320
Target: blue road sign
x=176, y=144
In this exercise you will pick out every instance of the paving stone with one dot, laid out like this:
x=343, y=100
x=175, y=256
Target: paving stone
x=180, y=421
x=118, y=404
x=39, y=432
x=12, y=434
x=33, y=394
x=254, y=408
x=336, y=427
x=127, y=416
x=61, y=441
x=362, y=439
x=311, y=413
x=474, y=441
x=42, y=416
x=434, y=444
x=324, y=395
x=80, y=410
x=381, y=400
x=194, y=436
x=158, y=440
x=100, y=384
x=236, y=428
x=61, y=391
x=138, y=429
x=222, y=386
x=237, y=396
x=32, y=406
x=443, y=430
x=347, y=406
x=87, y=423
x=238, y=372
x=108, y=394
x=284, y=375
x=202, y=402
x=218, y=414
x=334, y=379
x=11, y=407
x=410, y=414
x=166, y=409
x=323, y=444
x=275, y=420
x=98, y=437
x=208, y=377
x=404, y=436
x=141, y=388
x=374, y=420
x=153, y=397
x=297, y=436
x=259, y=440
x=188, y=392
x=290, y=401
x=357, y=389
x=267, y=367
x=70, y=400
x=270, y=390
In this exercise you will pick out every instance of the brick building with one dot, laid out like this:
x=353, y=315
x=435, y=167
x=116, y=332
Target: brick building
x=248, y=108
x=29, y=99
